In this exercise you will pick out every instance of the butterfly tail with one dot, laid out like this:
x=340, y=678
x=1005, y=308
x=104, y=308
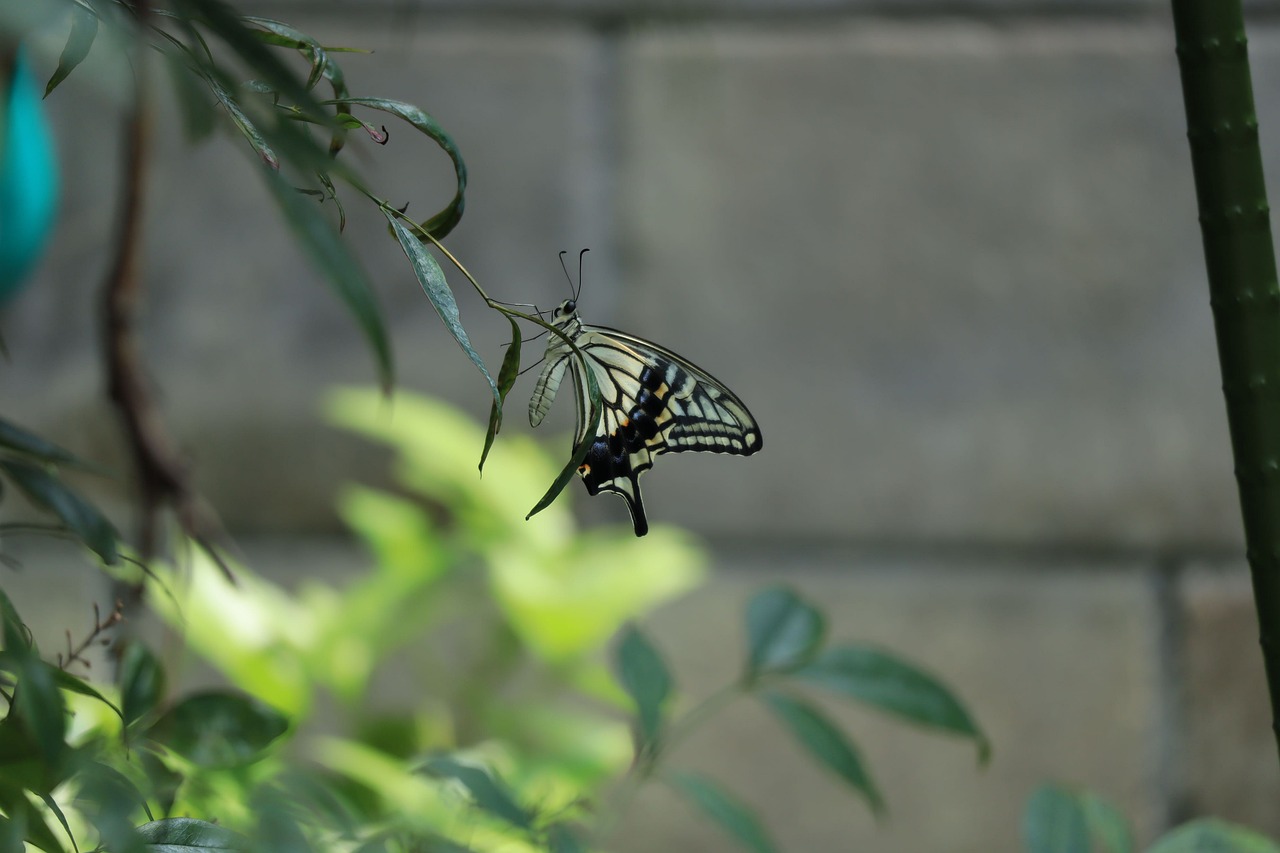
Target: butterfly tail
x=605, y=472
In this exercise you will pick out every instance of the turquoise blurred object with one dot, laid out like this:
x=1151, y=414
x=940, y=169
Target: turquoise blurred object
x=28, y=179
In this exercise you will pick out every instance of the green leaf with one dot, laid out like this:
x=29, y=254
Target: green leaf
x=1106, y=824
x=579, y=452
x=37, y=702
x=783, y=632
x=80, y=516
x=433, y=282
x=111, y=801
x=188, y=835
x=220, y=729
x=75, y=684
x=506, y=379
x=890, y=684
x=826, y=743
x=142, y=682
x=13, y=437
x=562, y=839
x=489, y=794
x=646, y=679
x=29, y=819
x=1213, y=836
x=331, y=257
x=1054, y=822
x=733, y=817
x=198, y=118
x=443, y=222
x=84, y=29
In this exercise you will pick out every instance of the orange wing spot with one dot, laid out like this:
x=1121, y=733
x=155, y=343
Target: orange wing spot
x=584, y=469
x=625, y=422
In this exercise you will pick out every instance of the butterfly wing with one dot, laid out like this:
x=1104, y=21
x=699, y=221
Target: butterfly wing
x=654, y=402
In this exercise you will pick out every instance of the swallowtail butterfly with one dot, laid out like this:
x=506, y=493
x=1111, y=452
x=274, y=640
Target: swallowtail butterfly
x=654, y=402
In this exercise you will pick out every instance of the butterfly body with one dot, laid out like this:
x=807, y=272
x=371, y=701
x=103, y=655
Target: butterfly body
x=654, y=402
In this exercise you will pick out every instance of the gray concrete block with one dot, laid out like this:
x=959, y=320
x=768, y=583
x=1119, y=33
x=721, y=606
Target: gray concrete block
x=1229, y=762
x=1055, y=662
x=954, y=270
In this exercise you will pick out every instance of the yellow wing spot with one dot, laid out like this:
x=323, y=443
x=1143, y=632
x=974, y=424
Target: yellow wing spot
x=584, y=469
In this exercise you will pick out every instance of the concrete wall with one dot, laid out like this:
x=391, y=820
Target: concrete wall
x=950, y=258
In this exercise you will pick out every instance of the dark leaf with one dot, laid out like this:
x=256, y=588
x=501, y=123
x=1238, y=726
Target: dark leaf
x=783, y=632
x=1209, y=835
x=15, y=438
x=888, y=683
x=142, y=682
x=219, y=729
x=332, y=258
x=75, y=684
x=444, y=221
x=37, y=702
x=734, y=818
x=489, y=794
x=247, y=127
x=84, y=29
x=80, y=516
x=562, y=839
x=112, y=803
x=192, y=93
x=506, y=379
x=646, y=679
x=1054, y=822
x=433, y=282
x=188, y=835
x=826, y=743
x=28, y=819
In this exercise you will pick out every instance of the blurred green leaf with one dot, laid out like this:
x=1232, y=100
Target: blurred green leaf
x=37, y=702
x=1106, y=824
x=783, y=632
x=732, y=816
x=188, y=835
x=75, y=684
x=826, y=743
x=29, y=819
x=489, y=794
x=1213, y=836
x=433, y=282
x=1054, y=822
x=646, y=679
x=142, y=682
x=80, y=516
x=112, y=803
x=890, y=684
x=562, y=839
x=332, y=258
x=506, y=379
x=198, y=118
x=219, y=729
x=84, y=29
x=13, y=437
x=443, y=222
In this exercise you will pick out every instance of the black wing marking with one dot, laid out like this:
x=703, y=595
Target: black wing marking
x=655, y=402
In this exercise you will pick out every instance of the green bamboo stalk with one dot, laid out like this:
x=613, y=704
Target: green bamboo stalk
x=1243, y=293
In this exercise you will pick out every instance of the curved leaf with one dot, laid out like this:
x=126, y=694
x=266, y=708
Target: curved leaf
x=331, y=257
x=735, y=818
x=490, y=795
x=826, y=743
x=646, y=679
x=1054, y=822
x=579, y=452
x=80, y=516
x=506, y=379
x=13, y=437
x=783, y=632
x=890, y=684
x=1106, y=824
x=433, y=282
x=444, y=221
x=84, y=29
x=188, y=835
x=142, y=682
x=219, y=729
x=1213, y=836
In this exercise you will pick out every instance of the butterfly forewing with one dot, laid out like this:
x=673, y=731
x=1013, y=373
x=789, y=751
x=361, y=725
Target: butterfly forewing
x=654, y=402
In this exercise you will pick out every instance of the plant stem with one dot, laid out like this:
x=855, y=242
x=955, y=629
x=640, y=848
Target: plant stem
x=1243, y=293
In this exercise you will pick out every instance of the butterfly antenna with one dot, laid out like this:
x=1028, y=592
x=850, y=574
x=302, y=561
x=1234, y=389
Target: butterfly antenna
x=567, y=277
x=580, y=256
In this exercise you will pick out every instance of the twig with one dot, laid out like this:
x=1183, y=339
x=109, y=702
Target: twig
x=76, y=654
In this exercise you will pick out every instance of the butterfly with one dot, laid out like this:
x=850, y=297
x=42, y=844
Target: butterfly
x=654, y=402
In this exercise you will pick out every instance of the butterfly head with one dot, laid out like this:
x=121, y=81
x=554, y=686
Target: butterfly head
x=565, y=312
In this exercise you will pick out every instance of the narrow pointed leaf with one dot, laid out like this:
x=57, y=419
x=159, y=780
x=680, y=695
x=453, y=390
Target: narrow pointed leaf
x=81, y=517
x=75, y=684
x=433, y=282
x=84, y=29
x=506, y=379
x=331, y=256
x=192, y=94
x=890, y=684
x=1107, y=825
x=646, y=679
x=489, y=794
x=444, y=221
x=579, y=452
x=826, y=743
x=188, y=835
x=733, y=817
x=37, y=701
x=783, y=632
x=142, y=682
x=1210, y=835
x=219, y=729
x=13, y=437
x=1054, y=822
